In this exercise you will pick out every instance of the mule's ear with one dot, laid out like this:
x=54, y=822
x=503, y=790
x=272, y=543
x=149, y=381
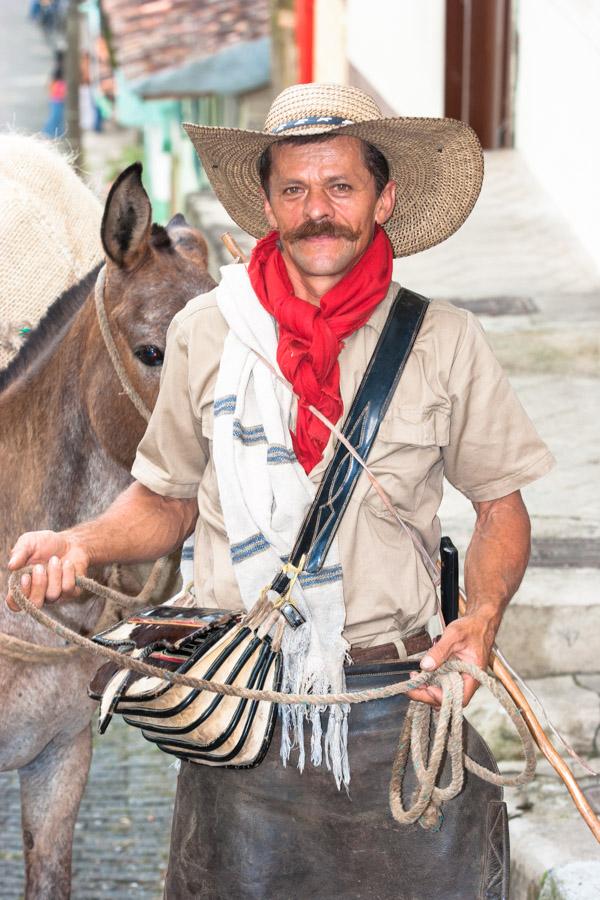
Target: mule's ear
x=127, y=218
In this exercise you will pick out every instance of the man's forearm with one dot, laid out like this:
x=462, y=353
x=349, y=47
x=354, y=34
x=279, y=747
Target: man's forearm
x=496, y=560
x=497, y=556
x=138, y=526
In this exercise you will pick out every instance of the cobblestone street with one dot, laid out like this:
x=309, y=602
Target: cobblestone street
x=122, y=833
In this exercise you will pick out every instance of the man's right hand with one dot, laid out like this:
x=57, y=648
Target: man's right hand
x=57, y=561
x=138, y=526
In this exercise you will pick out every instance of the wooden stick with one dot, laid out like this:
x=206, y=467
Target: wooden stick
x=545, y=745
x=234, y=248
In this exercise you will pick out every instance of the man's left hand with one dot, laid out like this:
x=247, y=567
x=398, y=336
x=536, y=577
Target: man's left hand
x=470, y=639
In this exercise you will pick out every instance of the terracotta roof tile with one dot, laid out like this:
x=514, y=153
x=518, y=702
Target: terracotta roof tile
x=152, y=35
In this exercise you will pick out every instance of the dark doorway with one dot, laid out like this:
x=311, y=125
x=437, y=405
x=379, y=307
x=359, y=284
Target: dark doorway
x=478, y=68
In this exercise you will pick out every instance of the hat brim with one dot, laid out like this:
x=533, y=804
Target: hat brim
x=437, y=165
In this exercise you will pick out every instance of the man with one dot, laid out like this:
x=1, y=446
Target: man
x=229, y=454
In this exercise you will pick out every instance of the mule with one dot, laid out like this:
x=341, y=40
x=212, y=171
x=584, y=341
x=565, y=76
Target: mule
x=68, y=436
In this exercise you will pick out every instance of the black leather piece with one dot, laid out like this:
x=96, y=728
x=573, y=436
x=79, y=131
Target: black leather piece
x=273, y=832
x=163, y=632
x=360, y=429
x=496, y=868
x=449, y=580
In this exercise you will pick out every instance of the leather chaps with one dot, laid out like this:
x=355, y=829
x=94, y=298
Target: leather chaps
x=271, y=833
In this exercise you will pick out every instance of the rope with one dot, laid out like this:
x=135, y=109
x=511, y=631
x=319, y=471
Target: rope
x=112, y=348
x=415, y=735
x=30, y=653
x=27, y=652
x=116, y=599
x=427, y=757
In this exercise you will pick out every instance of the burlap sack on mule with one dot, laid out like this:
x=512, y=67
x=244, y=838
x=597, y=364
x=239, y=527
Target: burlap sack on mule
x=49, y=233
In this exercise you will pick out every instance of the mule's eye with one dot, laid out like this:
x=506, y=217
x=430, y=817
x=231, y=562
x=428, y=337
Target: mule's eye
x=150, y=355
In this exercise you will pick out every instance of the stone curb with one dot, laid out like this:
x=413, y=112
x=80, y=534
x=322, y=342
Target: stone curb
x=574, y=881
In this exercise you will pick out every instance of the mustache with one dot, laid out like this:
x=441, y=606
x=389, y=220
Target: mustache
x=310, y=229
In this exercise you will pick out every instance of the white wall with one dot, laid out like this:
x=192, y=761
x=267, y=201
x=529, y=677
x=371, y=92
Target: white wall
x=398, y=46
x=557, y=125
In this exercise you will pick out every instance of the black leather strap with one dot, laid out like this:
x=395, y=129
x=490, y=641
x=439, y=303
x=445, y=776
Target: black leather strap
x=360, y=429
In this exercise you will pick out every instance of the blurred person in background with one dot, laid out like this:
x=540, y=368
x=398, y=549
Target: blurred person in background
x=34, y=10
x=57, y=94
x=90, y=116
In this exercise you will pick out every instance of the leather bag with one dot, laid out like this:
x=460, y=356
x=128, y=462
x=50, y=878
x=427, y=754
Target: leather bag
x=205, y=643
x=238, y=649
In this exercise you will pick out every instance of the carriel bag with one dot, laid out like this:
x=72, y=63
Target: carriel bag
x=235, y=648
x=206, y=643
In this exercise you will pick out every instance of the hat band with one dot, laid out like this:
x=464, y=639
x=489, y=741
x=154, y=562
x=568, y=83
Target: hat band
x=312, y=120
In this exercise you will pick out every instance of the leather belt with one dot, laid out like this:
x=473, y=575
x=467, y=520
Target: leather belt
x=414, y=643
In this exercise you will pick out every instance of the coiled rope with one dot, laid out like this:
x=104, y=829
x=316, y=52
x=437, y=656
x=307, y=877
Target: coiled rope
x=415, y=738
x=31, y=653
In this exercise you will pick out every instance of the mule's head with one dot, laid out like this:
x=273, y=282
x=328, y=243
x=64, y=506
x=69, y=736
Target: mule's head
x=151, y=273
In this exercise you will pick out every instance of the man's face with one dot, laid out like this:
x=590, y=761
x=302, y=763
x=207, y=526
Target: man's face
x=323, y=201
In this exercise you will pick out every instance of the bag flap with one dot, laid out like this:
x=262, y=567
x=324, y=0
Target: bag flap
x=174, y=646
x=162, y=624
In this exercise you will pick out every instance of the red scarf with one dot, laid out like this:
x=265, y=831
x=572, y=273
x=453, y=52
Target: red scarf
x=311, y=337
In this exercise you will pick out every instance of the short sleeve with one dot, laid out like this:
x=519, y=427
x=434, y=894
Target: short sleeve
x=494, y=448
x=173, y=453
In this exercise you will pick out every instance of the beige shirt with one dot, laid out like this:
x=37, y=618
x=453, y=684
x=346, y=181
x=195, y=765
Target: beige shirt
x=454, y=414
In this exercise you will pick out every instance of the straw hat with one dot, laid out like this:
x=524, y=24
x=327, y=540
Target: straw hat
x=437, y=164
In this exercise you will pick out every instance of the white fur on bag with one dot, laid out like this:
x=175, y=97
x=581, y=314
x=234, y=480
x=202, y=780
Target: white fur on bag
x=265, y=494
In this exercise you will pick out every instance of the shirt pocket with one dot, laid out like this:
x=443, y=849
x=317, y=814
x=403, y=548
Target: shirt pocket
x=405, y=456
x=420, y=426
